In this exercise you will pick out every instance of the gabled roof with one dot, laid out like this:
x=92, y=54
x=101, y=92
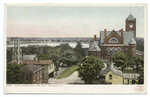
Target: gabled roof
x=118, y=72
x=127, y=35
x=130, y=17
x=30, y=69
x=111, y=68
x=94, y=47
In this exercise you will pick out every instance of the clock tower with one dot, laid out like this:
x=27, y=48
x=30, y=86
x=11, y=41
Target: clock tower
x=131, y=24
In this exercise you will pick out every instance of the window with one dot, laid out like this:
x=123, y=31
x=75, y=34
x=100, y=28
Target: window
x=108, y=51
x=113, y=40
x=126, y=51
x=110, y=76
x=37, y=75
x=26, y=77
x=113, y=51
x=94, y=53
x=98, y=53
x=119, y=49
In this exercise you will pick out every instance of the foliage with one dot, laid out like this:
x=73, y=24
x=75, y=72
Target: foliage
x=120, y=60
x=14, y=73
x=57, y=68
x=79, y=49
x=64, y=47
x=68, y=72
x=42, y=56
x=140, y=47
x=90, y=68
x=131, y=61
x=55, y=54
x=9, y=56
x=68, y=57
x=140, y=69
x=101, y=81
x=108, y=64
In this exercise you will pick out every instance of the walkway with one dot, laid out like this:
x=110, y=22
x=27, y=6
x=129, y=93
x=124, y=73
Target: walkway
x=72, y=79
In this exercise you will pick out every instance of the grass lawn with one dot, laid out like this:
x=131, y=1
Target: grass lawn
x=68, y=72
x=128, y=71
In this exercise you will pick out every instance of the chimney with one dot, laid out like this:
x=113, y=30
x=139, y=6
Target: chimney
x=105, y=32
x=121, y=32
x=94, y=37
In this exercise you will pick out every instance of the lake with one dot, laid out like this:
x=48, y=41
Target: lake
x=72, y=44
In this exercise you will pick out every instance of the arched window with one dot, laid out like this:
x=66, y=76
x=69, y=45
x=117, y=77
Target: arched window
x=108, y=51
x=113, y=40
x=113, y=51
x=126, y=51
x=133, y=51
x=119, y=49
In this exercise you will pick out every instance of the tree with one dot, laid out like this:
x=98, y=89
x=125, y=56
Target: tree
x=68, y=57
x=55, y=55
x=79, y=49
x=14, y=73
x=132, y=62
x=140, y=69
x=120, y=60
x=90, y=68
x=9, y=56
x=64, y=47
x=42, y=56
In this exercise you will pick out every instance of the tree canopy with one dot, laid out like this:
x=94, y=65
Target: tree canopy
x=14, y=73
x=90, y=68
x=79, y=49
x=120, y=60
x=68, y=57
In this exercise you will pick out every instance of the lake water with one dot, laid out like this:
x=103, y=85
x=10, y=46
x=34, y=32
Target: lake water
x=72, y=44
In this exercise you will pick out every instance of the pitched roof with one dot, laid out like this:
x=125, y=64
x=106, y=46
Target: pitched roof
x=30, y=69
x=130, y=17
x=94, y=47
x=40, y=62
x=29, y=57
x=127, y=35
x=111, y=68
x=118, y=72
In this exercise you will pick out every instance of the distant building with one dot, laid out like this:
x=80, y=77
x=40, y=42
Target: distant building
x=114, y=76
x=48, y=65
x=111, y=42
x=29, y=57
x=33, y=74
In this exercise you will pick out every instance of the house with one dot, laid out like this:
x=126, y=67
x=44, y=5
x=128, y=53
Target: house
x=111, y=42
x=114, y=76
x=29, y=57
x=48, y=65
x=33, y=74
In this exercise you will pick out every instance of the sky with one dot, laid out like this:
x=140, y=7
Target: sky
x=70, y=21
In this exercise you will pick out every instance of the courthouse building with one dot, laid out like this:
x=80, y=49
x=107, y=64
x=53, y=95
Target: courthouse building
x=111, y=42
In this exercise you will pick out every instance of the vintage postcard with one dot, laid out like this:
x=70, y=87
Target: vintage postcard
x=75, y=48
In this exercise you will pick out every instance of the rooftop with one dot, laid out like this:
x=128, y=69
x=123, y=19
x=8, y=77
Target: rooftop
x=30, y=69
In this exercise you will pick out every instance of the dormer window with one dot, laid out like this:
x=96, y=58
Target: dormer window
x=113, y=40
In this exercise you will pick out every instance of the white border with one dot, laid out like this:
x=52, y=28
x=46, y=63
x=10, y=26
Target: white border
x=81, y=89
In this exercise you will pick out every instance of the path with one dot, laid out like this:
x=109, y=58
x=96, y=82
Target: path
x=72, y=79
